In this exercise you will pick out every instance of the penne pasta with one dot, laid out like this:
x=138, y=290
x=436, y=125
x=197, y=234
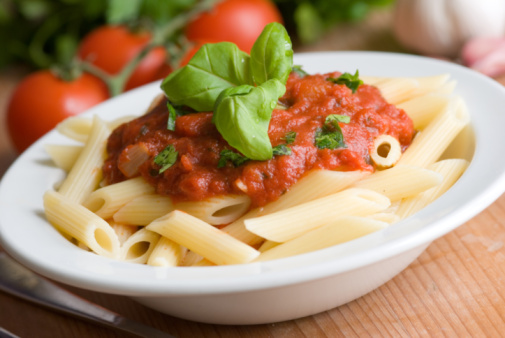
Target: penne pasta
x=423, y=109
x=144, y=209
x=107, y=200
x=86, y=173
x=316, y=184
x=386, y=151
x=338, y=231
x=63, y=156
x=76, y=128
x=397, y=183
x=80, y=223
x=123, y=231
x=217, y=210
x=287, y=224
x=138, y=247
x=450, y=170
x=432, y=142
x=202, y=238
x=166, y=253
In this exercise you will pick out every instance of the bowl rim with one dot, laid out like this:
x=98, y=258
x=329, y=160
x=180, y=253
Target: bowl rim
x=90, y=271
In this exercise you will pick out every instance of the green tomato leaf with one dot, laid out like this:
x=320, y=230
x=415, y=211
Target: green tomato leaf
x=242, y=115
x=272, y=54
x=214, y=68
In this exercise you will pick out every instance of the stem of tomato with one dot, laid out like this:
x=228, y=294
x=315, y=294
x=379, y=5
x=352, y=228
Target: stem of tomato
x=116, y=83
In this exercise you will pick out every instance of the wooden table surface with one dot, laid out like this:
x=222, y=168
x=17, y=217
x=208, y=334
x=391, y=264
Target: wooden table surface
x=455, y=288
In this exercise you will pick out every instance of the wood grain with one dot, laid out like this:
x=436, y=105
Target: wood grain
x=456, y=288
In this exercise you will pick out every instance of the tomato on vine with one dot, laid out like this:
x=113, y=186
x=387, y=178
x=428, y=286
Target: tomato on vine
x=111, y=48
x=237, y=21
x=43, y=99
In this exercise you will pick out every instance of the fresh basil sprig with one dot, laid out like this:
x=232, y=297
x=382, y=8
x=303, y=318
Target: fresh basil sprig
x=212, y=69
x=242, y=115
x=242, y=90
x=272, y=55
x=350, y=81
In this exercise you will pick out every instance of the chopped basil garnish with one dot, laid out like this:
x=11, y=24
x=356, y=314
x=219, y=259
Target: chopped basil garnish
x=351, y=81
x=228, y=155
x=166, y=158
x=297, y=69
x=290, y=137
x=281, y=149
x=330, y=136
x=172, y=115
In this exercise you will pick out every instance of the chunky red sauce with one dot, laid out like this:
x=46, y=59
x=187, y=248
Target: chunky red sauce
x=196, y=176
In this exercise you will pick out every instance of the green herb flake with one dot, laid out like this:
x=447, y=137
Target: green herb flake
x=172, y=115
x=298, y=70
x=166, y=158
x=281, y=149
x=290, y=137
x=330, y=136
x=350, y=81
x=228, y=155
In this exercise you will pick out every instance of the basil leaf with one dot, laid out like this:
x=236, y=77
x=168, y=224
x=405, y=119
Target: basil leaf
x=228, y=155
x=329, y=139
x=330, y=136
x=272, y=54
x=351, y=81
x=172, y=115
x=242, y=115
x=174, y=112
x=290, y=137
x=166, y=158
x=298, y=70
x=214, y=68
x=281, y=149
x=334, y=119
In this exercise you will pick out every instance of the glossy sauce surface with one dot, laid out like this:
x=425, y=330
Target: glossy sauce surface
x=309, y=100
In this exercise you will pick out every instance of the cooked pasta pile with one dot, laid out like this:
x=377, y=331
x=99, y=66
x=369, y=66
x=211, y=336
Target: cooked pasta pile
x=129, y=221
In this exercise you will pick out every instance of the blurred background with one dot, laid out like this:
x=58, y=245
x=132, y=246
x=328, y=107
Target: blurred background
x=60, y=57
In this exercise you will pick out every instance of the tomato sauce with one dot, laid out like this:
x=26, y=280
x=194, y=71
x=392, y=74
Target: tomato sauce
x=309, y=100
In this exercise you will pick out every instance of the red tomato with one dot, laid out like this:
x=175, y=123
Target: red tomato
x=111, y=48
x=42, y=100
x=237, y=21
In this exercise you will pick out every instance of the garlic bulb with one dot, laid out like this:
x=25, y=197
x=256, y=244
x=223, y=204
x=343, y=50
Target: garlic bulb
x=441, y=27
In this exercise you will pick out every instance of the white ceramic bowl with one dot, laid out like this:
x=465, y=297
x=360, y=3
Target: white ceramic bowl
x=270, y=291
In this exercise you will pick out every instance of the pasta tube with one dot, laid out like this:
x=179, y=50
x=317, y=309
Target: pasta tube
x=287, y=224
x=336, y=232
x=87, y=173
x=80, y=223
x=202, y=238
x=109, y=199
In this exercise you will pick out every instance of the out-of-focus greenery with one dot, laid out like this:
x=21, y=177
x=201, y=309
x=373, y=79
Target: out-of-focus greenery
x=46, y=32
x=42, y=33
x=311, y=18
